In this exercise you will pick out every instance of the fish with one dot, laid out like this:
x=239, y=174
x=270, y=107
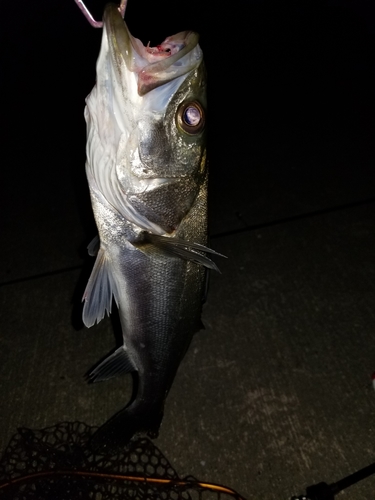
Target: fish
x=146, y=166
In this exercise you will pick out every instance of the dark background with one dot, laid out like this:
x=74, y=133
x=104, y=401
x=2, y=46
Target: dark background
x=276, y=393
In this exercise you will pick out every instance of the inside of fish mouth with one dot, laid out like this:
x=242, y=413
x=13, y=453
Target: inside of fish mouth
x=165, y=49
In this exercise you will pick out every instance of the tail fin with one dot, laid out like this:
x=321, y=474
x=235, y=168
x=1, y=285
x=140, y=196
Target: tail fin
x=118, y=430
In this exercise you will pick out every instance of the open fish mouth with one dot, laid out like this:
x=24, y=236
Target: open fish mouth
x=155, y=66
x=175, y=56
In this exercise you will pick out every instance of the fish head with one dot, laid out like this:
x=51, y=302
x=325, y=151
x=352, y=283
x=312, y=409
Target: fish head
x=148, y=109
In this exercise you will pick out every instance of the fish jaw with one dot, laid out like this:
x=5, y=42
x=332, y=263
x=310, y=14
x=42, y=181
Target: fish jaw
x=155, y=66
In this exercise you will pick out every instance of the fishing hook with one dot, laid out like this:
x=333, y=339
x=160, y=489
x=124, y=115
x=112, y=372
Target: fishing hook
x=91, y=20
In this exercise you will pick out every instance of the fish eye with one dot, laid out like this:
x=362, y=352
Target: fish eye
x=190, y=117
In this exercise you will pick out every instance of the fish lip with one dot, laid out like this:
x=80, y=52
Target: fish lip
x=152, y=65
x=118, y=33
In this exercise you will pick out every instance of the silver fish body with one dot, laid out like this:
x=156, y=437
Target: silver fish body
x=146, y=168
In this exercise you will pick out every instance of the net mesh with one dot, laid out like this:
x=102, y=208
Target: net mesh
x=57, y=463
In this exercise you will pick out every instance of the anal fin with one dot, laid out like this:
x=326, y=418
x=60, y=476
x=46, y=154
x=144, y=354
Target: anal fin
x=114, y=364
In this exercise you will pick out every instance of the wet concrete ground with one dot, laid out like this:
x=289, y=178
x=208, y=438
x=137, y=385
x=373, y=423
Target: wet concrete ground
x=276, y=393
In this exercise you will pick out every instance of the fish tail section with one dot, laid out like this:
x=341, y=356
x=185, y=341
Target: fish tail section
x=118, y=431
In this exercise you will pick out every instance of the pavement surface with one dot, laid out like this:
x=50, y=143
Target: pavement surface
x=276, y=393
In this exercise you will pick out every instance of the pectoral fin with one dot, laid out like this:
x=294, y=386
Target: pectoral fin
x=114, y=364
x=99, y=291
x=184, y=249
